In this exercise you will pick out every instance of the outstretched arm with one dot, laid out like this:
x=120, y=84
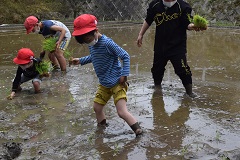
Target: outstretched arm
x=144, y=28
x=62, y=35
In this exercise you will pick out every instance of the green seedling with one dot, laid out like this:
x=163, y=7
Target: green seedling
x=218, y=136
x=198, y=21
x=90, y=138
x=44, y=68
x=68, y=55
x=184, y=150
x=116, y=149
x=49, y=44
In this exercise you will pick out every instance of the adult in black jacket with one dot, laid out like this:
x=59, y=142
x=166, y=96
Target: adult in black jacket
x=171, y=18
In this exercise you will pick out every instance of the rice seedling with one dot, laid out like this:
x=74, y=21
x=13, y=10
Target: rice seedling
x=184, y=150
x=44, y=68
x=198, y=21
x=116, y=149
x=49, y=44
x=68, y=55
x=91, y=137
x=218, y=136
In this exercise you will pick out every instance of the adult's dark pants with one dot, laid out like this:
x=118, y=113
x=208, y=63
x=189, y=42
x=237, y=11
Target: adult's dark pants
x=180, y=66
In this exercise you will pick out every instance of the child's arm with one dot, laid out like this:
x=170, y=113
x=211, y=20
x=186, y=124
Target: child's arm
x=15, y=83
x=122, y=54
x=82, y=60
x=62, y=35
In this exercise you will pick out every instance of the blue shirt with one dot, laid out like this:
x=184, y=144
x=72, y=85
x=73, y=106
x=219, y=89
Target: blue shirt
x=104, y=56
x=46, y=31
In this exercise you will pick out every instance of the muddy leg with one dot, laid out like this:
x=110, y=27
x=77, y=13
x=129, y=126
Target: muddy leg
x=100, y=115
x=53, y=59
x=61, y=60
x=36, y=86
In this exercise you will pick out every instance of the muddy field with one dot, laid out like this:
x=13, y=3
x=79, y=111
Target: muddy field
x=60, y=124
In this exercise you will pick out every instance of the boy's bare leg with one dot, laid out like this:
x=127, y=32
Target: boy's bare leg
x=53, y=59
x=128, y=117
x=123, y=112
x=36, y=86
x=61, y=60
x=100, y=115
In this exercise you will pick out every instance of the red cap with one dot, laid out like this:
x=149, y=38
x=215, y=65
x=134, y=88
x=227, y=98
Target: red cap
x=24, y=56
x=29, y=23
x=84, y=24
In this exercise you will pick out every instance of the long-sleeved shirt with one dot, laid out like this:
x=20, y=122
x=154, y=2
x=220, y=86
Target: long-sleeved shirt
x=104, y=56
x=171, y=26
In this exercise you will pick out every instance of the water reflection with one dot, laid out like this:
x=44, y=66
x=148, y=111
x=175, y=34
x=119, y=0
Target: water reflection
x=169, y=117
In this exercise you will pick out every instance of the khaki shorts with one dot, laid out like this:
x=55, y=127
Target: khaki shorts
x=104, y=94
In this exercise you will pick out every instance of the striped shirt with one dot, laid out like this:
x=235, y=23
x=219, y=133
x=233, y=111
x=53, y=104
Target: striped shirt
x=104, y=56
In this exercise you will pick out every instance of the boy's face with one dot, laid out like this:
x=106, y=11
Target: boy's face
x=88, y=38
x=36, y=28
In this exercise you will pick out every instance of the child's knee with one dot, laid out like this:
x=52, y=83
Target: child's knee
x=36, y=81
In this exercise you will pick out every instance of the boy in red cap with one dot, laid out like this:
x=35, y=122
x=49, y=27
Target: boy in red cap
x=51, y=28
x=26, y=71
x=104, y=55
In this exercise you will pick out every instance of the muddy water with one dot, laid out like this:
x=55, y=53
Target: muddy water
x=60, y=123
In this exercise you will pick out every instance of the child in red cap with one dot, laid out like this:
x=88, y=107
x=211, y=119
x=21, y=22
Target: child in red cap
x=104, y=55
x=51, y=28
x=26, y=71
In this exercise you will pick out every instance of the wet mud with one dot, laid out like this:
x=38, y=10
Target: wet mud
x=60, y=123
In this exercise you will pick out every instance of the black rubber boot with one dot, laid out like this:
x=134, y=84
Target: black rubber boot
x=103, y=123
x=137, y=129
x=188, y=89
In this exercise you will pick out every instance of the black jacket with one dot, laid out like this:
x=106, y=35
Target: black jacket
x=171, y=26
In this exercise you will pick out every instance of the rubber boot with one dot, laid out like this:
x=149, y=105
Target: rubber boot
x=137, y=129
x=188, y=89
x=103, y=123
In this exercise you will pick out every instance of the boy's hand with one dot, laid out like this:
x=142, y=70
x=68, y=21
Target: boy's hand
x=139, y=40
x=123, y=80
x=10, y=97
x=192, y=27
x=58, y=44
x=75, y=61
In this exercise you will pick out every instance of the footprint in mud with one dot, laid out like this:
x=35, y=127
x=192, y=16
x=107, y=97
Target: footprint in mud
x=10, y=150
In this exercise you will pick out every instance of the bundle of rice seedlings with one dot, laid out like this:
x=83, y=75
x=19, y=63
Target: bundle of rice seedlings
x=198, y=21
x=49, y=44
x=44, y=68
x=68, y=55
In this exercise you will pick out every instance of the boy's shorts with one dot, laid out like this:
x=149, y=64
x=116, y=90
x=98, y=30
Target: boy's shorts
x=35, y=79
x=118, y=92
x=64, y=44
